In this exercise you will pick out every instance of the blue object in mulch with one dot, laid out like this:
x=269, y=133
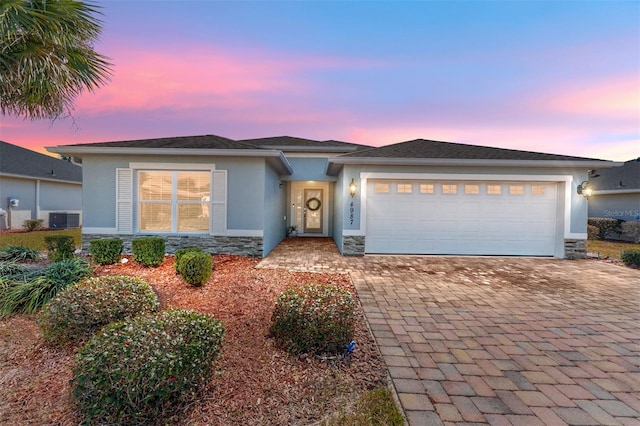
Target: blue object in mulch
x=348, y=351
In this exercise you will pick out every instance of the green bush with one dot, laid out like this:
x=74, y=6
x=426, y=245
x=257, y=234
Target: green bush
x=631, y=230
x=141, y=370
x=59, y=247
x=33, y=290
x=181, y=252
x=631, y=258
x=106, y=251
x=314, y=318
x=195, y=268
x=605, y=225
x=80, y=310
x=19, y=253
x=593, y=232
x=148, y=251
x=32, y=224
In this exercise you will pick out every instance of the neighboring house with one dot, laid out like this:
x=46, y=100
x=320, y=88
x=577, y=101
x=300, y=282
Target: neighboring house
x=616, y=192
x=41, y=184
x=418, y=197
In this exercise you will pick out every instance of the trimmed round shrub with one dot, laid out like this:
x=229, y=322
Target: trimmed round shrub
x=106, y=251
x=314, y=318
x=181, y=252
x=140, y=370
x=59, y=247
x=82, y=309
x=148, y=251
x=631, y=258
x=195, y=268
x=593, y=232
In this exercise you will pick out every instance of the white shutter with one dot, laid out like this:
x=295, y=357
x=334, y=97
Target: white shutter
x=219, y=203
x=124, y=201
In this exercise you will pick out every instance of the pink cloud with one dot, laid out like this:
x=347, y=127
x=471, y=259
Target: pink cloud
x=618, y=96
x=202, y=76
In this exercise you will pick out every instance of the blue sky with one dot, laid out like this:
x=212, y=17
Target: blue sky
x=551, y=76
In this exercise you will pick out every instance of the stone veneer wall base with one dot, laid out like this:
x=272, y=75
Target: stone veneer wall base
x=353, y=245
x=575, y=249
x=243, y=246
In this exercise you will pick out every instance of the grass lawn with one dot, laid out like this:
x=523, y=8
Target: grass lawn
x=611, y=249
x=35, y=239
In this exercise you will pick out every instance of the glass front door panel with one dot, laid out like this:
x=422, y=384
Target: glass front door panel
x=313, y=207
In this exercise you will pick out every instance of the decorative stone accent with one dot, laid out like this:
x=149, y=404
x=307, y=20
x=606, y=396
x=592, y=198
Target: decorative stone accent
x=353, y=245
x=244, y=246
x=575, y=249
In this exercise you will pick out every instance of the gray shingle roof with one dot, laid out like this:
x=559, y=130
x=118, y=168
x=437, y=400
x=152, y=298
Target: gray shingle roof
x=186, y=142
x=15, y=160
x=421, y=148
x=617, y=178
x=291, y=142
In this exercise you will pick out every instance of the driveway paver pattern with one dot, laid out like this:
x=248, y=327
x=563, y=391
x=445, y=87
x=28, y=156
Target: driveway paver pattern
x=496, y=340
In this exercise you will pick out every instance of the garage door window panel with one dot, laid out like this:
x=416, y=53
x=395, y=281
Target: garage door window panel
x=404, y=188
x=427, y=188
x=516, y=189
x=449, y=189
x=494, y=189
x=472, y=189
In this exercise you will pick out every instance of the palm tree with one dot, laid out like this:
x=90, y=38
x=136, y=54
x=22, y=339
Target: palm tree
x=47, y=57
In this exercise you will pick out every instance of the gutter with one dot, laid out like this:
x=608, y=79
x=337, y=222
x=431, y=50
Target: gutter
x=75, y=182
x=261, y=153
x=616, y=191
x=335, y=164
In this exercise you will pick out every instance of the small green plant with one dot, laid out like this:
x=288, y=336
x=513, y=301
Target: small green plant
x=81, y=309
x=31, y=291
x=148, y=251
x=181, y=252
x=146, y=368
x=106, y=251
x=375, y=407
x=12, y=270
x=195, y=268
x=32, y=224
x=593, y=232
x=314, y=318
x=19, y=253
x=59, y=247
x=631, y=258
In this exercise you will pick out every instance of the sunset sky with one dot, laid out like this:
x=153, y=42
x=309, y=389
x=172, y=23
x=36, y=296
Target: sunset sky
x=550, y=76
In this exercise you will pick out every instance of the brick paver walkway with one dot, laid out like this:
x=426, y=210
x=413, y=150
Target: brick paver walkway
x=518, y=341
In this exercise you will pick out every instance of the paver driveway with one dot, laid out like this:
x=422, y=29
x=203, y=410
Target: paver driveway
x=518, y=341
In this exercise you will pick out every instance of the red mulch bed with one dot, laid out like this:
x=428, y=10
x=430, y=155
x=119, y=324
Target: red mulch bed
x=255, y=384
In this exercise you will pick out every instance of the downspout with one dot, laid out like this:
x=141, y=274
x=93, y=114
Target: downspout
x=37, y=199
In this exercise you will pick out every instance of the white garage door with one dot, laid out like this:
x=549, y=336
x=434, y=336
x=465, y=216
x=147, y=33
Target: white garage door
x=481, y=218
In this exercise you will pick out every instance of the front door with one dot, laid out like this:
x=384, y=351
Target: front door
x=313, y=206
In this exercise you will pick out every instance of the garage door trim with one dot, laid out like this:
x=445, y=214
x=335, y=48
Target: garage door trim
x=563, y=208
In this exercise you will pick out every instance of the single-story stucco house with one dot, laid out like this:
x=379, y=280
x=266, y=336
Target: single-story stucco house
x=616, y=192
x=418, y=197
x=34, y=185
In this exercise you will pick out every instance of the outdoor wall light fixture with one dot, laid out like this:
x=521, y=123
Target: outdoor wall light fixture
x=584, y=189
x=353, y=187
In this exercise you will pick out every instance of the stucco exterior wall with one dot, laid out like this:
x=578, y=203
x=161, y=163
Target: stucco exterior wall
x=616, y=206
x=245, y=188
x=53, y=196
x=275, y=225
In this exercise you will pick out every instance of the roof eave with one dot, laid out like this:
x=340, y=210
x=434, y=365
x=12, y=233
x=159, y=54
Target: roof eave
x=583, y=164
x=616, y=191
x=274, y=156
x=46, y=179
